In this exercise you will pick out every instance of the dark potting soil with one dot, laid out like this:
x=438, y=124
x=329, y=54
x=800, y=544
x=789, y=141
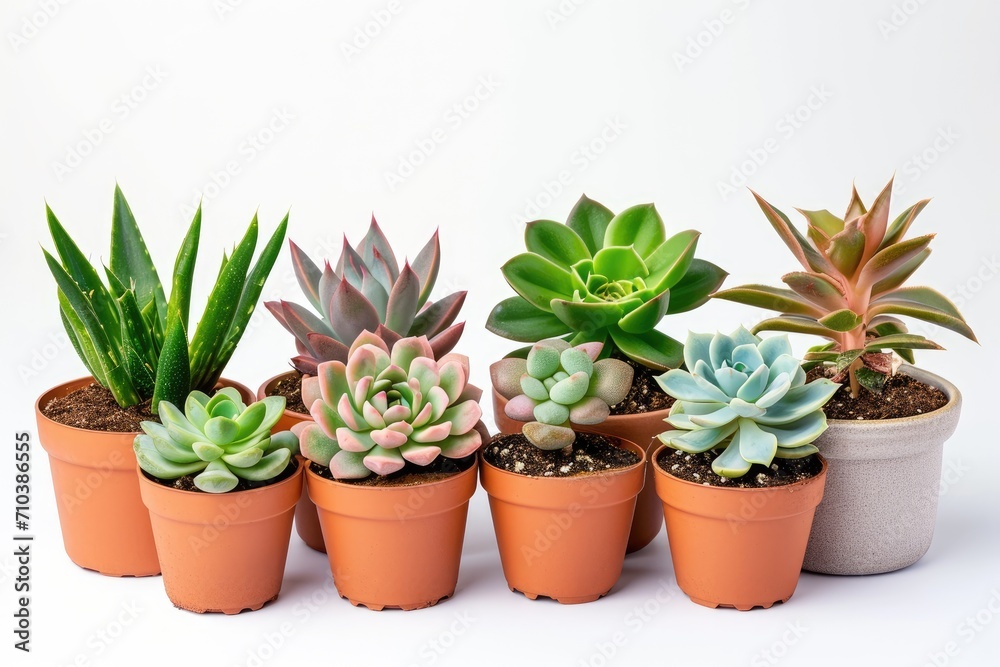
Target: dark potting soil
x=902, y=396
x=591, y=454
x=697, y=468
x=411, y=474
x=291, y=388
x=186, y=483
x=94, y=408
x=645, y=394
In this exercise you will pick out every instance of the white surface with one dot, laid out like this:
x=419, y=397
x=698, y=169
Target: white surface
x=674, y=133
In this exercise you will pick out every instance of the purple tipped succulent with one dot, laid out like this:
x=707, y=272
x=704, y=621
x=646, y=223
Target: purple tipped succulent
x=558, y=386
x=367, y=291
x=383, y=409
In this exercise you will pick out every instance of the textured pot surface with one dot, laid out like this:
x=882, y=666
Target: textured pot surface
x=733, y=547
x=882, y=489
x=306, y=520
x=104, y=525
x=563, y=537
x=222, y=552
x=396, y=547
x=641, y=429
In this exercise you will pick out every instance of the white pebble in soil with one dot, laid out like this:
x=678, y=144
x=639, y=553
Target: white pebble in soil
x=518, y=466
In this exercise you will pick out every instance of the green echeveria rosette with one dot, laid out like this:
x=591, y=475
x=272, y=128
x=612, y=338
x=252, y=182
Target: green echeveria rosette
x=605, y=278
x=746, y=396
x=557, y=386
x=382, y=409
x=218, y=439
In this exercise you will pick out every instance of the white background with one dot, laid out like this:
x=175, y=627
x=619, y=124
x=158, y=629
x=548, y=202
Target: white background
x=877, y=87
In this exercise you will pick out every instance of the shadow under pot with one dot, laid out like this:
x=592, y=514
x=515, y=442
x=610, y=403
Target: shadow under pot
x=564, y=537
x=882, y=490
x=222, y=552
x=734, y=547
x=306, y=520
x=395, y=547
x=105, y=526
x=641, y=429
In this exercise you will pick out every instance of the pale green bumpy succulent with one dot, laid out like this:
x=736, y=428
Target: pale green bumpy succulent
x=219, y=438
x=746, y=395
x=559, y=385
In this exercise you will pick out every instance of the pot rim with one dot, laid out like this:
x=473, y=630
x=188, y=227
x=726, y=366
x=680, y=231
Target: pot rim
x=572, y=479
x=146, y=478
x=733, y=489
x=423, y=485
x=262, y=394
x=925, y=376
x=239, y=386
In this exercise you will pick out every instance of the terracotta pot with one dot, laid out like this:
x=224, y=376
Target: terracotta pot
x=396, y=547
x=563, y=537
x=306, y=519
x=104, y=525
x=222, y=552
x=641, y=429
x=881, y=498
x=733, y=547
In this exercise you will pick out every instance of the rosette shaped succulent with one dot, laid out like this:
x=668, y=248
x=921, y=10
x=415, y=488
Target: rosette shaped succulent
x=557, y=386
x=850, y=289
x=746, y=396
x=605, y=278
x=368, y=292
x=383, y=409
x=219, y=438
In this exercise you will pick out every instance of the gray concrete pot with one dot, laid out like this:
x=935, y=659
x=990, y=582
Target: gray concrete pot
x=882, y=488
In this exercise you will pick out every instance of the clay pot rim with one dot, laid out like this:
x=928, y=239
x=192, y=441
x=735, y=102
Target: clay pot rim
x=613, y=419
x=423, y=485
x=575, y=479
x=925, y=376
x=262, y=394
x=90, y=379
x=146, y=478
x=733, y=489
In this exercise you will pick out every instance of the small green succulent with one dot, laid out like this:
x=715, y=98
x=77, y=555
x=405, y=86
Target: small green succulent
x=219, y=438
x=746, y=396
x=605, y=278
x=559, y=385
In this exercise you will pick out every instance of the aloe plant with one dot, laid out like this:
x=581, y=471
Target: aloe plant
x=605, y=278
x=851, y=289
x=368, y=291
x=130, y=337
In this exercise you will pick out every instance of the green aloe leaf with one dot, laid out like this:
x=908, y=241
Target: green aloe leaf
x=771, y=298
x=517, y=319
x=590, y=220
x=668, y=263
x=586, y=317
x=81, y=340
x=792, y=324
x=847, y=249
x=555, y=242
x=902, y=273
x=652, y=349
x=696, y=287
x=897, y=230
x=901, y=342
x=825, y=222
x=810, y=259
x=130, y=257
x=180, y=291
x=871, y=380
x=892, y=305
x=842, y=320
x=173, y=373
x=646, y=316
x=538, y=280
x=892, y=260
x=816, y=288
x=638, y=226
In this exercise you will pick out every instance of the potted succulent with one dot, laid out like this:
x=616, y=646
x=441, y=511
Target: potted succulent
x=134, y=343
x=562, y=501
x=219, y=486
x=367, y=291
x=739, y=475
x=392, y=468
x=890, y=421
x=609, y=279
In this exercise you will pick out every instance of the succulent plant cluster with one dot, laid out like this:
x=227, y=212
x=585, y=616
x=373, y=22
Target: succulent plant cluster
x=851, y=288
x=367, y=292
x=385, y=408
x=605, y=278
x=557, y=386
x=747, y=397
x=218, y=439
x=135, y=342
